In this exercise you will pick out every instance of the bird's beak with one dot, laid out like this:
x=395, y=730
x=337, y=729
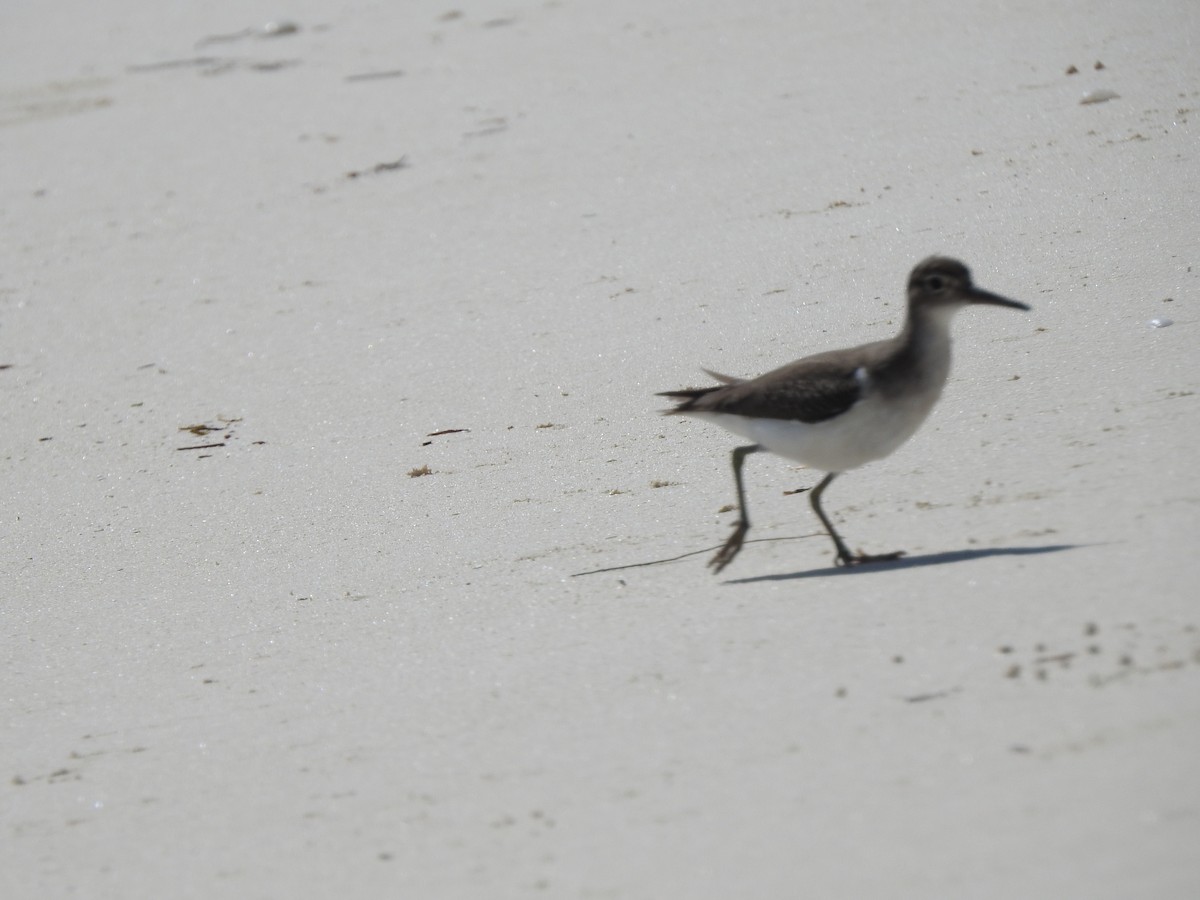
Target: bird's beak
x=977, y=295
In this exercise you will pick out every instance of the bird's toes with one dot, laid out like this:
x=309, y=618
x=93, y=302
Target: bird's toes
x=862, y=559
x=730, y=549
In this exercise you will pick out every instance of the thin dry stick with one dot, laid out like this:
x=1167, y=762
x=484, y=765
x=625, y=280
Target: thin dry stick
x=656, y=562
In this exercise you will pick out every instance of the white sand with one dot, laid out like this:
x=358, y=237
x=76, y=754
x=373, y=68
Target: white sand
x=285, y=669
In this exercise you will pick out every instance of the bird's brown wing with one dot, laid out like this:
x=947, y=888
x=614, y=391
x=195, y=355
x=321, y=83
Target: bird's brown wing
x=811, y=390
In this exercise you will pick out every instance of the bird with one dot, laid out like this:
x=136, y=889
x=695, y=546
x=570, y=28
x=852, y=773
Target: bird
x=841, y=409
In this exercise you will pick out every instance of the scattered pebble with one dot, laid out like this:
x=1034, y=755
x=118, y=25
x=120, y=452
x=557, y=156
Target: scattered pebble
x=394, y=165
x=278, y=29
x=266, y=30
x=932, y=695
x=374, y=76
x=1161, y=323
x=1168, y=656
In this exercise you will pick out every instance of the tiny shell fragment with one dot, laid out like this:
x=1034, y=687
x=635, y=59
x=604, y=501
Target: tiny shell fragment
x=1098, y=97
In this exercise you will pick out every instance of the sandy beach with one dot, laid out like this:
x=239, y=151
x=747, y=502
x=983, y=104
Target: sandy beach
x=344, y=549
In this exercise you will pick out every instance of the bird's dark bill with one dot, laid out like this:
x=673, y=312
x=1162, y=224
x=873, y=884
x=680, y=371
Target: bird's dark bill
x=981, y=296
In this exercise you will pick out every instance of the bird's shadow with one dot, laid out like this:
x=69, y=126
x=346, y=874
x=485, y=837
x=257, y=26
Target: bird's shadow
x=909, y=562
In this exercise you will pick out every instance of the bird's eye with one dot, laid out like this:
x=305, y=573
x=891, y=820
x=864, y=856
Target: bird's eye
x=935, y=282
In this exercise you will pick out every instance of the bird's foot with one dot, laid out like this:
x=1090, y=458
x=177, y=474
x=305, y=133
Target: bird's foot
x=860, y=559
x=725, y=555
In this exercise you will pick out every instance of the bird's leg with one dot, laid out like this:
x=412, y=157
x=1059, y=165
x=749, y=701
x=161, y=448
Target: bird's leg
x=844, y=556
x=725, y=555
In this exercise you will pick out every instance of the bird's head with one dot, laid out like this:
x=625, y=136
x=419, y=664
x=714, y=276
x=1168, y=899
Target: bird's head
x=940, y=282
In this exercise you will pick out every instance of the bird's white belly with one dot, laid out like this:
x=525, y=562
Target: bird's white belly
x=871, y=429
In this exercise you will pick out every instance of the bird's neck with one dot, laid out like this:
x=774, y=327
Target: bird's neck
x=923, y=346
